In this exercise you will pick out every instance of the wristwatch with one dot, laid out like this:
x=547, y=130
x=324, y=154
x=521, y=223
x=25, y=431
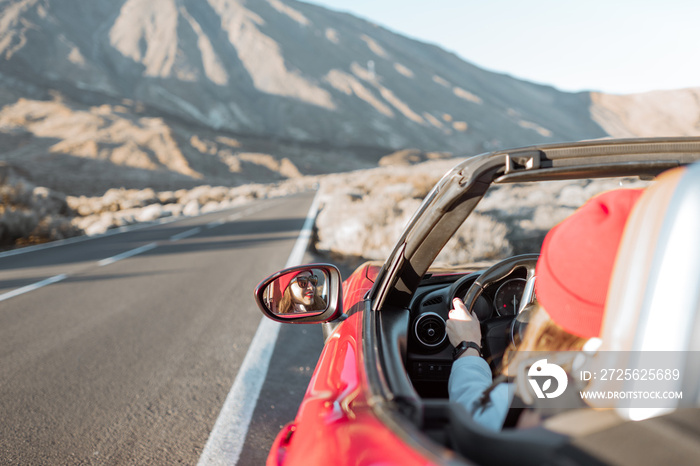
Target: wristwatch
x=464, y=346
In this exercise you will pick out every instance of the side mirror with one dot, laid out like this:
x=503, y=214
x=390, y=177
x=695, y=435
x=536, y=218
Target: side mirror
x=305, y=294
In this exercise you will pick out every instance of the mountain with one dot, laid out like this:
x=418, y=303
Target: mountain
x=176, y=93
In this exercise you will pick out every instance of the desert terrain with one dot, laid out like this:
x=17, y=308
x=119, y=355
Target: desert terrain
x=137, y=114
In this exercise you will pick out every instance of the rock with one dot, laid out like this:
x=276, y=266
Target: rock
x=112, y=200
x=167, y=197
x=174, y=210
x=402, y=157
x=98, y=227
x=125, y=217
x=191, y=208
x=211, y=206
x=150, y=213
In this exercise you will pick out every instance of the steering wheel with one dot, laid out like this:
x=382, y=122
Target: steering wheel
x=496, y=334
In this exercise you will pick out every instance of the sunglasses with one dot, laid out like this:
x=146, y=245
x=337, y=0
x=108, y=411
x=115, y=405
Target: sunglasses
x=303, y=282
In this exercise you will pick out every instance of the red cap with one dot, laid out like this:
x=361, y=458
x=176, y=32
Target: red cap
x=281, y=283
x=576, y=262
x=284, y=281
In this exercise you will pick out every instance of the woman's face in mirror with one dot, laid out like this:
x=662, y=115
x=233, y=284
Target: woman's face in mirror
x=303, y=295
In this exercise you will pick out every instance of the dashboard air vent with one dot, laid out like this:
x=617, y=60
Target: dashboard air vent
x=433, y=301
x=430, y=329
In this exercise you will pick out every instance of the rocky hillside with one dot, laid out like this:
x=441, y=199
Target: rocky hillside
x=277, y=68
x=86, y=150
x=109, y=107
x=659, y=113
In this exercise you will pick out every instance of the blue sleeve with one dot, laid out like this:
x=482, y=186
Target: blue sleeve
x=469, y=378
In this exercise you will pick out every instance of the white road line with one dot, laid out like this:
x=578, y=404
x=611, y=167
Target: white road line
x=226, y=440
x=32, y=287
x=186, y=234
x=216, y=223
x=124, y=255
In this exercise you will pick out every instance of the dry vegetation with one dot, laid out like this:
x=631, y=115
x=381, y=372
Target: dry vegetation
x=30, y=214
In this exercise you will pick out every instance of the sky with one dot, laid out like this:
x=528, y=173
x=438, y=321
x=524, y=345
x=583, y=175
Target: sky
x=612, y=46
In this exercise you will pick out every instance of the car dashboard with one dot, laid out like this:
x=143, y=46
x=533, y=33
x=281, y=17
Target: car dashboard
x=429, y=352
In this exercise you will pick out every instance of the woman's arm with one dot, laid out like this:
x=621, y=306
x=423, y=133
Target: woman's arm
x=469, y=378
x=471, y=375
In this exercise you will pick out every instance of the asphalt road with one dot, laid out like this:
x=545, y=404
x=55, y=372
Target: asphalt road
x=128, y=358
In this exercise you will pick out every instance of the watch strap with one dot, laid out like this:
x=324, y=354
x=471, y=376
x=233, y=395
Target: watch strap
x=464, y=346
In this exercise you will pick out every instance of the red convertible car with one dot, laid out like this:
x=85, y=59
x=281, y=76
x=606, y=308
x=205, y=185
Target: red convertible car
x=378, y=394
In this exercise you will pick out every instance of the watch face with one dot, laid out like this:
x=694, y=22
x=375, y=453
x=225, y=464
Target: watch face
x=459, y=349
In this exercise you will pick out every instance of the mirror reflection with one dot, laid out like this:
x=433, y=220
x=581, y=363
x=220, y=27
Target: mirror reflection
x=299, y=292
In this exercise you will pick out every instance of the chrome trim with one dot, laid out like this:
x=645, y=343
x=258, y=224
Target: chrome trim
x=417, y=322
x=495, y=296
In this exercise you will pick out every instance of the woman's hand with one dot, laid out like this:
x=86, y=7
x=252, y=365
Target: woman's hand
x=461, y=325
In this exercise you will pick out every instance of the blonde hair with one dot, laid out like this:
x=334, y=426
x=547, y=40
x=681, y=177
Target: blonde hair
x=542, y=334
x=286, y=305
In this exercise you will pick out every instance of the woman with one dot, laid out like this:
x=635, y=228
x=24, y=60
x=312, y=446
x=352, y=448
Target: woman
x=573, y=272
x=301, y=294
